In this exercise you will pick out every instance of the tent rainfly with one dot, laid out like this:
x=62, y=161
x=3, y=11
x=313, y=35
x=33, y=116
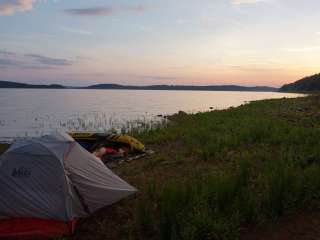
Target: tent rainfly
x=47, y=183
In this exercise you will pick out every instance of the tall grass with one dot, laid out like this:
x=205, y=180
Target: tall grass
x=104, y=123
x=217, y=205
x=91, y=122
x=259, y=161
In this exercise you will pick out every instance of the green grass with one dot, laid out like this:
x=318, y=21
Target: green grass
x=216, y=173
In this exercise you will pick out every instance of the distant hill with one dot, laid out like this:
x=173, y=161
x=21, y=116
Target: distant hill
x=6, y=84
x=307, y=84
x=186, y=87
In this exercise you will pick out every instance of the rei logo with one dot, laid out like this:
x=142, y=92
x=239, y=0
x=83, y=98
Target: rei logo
x=21, y=172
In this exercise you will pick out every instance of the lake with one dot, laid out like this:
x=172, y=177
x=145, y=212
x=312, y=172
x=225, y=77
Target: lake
x=33, y=112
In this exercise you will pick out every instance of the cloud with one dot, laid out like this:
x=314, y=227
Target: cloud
x=239, y=2
x=136, y=8
x=48, y=60
x=76, y=31
x=255, y=68
x=8, y=7
x=31, y=61
x=104, y=10
x=94, y=11
x=8, y=63
x=155, y=77
x=303, y=49
x=6, y=53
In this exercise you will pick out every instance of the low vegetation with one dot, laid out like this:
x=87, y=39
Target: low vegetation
x=216, y=174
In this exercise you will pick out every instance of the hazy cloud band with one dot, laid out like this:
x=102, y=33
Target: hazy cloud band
x=104, y=10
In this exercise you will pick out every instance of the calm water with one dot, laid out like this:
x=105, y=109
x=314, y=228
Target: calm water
x=26, y=112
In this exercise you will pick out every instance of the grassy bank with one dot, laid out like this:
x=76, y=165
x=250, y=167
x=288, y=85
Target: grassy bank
x=216, y=174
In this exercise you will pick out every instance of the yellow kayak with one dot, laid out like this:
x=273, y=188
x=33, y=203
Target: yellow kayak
x=134, y=144
x=89, y=137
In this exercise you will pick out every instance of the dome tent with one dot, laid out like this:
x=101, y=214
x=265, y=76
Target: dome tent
x=47, y=183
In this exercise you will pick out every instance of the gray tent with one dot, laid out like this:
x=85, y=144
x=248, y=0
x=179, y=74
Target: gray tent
x=49, y=182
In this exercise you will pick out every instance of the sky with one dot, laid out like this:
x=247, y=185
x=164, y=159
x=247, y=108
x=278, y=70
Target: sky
x=206, y=42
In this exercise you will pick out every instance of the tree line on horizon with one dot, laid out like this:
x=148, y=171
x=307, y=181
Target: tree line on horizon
x=306, y=84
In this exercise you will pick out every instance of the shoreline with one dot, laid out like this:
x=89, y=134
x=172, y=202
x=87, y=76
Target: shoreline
x=73, y=118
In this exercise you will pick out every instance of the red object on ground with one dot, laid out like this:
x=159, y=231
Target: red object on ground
x=111, y=151
x=34, y=227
